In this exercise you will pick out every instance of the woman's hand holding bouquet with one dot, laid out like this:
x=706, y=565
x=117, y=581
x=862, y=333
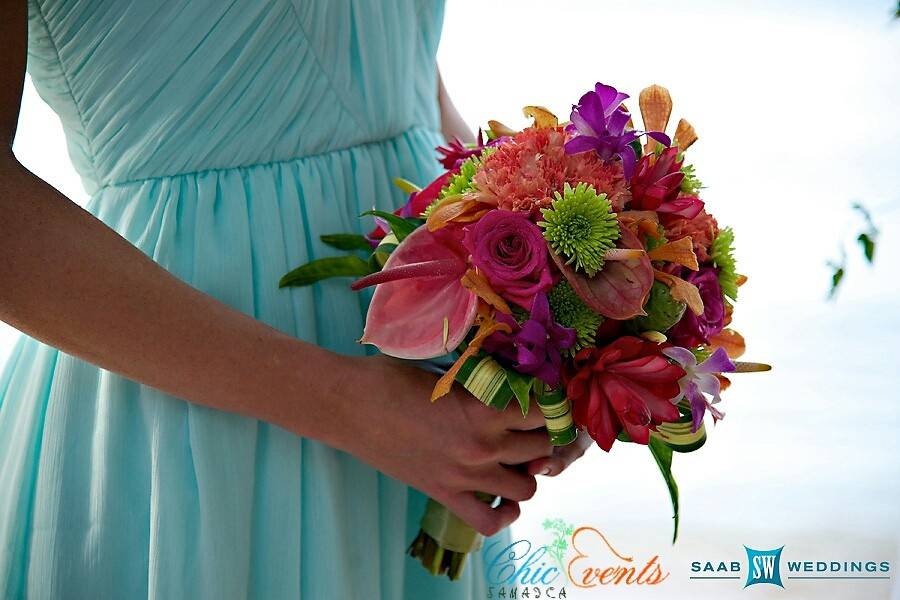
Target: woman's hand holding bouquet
x=466, y=444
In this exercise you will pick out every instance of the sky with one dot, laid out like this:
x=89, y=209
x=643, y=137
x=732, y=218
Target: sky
x=795, y=106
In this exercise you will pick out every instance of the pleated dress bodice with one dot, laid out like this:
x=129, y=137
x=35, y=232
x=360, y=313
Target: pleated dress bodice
x=157, y=88
x=221, y=138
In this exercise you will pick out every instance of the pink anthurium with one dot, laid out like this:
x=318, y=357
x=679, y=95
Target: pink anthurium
x=420, y=309
x=620, y=289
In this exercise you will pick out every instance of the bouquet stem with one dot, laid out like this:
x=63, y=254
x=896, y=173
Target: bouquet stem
x=445, y=540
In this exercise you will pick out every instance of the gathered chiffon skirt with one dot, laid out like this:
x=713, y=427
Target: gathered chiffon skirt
x=112, y=489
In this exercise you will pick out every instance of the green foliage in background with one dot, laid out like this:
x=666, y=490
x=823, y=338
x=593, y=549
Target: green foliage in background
x=866, y=239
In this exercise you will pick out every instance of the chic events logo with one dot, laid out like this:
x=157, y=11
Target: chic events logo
x=581, y=557
x=765, y=566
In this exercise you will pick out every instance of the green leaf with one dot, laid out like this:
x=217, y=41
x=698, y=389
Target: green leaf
x=663, y=456
x=400, y=226
x=868, y=245
x=864, y=212
x=324, y=268
x=346, y=241
x=638, y=149
x=407, y=186
x=521, y=386
x=836, y=278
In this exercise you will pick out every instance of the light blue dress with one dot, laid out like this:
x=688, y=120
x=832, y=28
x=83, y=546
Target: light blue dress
x=221, y=138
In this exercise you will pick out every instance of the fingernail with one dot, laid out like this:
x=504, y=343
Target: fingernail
x=546, y=471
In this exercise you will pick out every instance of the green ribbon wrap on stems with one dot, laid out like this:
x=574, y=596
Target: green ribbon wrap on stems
x=487, y=380
x=557, y=411
x=484, y=378
x=678, y=435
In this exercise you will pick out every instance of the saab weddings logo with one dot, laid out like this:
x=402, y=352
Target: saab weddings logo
x=765, y=566
x=575, y=557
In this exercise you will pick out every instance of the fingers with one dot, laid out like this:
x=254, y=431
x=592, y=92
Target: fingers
x=561, y=458
x=486, y=520
x=515, y=421
x=518, y=447
x=506, y=482
x=498, y=420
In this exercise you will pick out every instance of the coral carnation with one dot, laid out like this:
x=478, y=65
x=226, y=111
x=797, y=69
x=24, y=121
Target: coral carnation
x=524, y=173
x=703, y=229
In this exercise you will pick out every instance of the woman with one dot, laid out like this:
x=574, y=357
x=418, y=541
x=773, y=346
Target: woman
x=182, y=428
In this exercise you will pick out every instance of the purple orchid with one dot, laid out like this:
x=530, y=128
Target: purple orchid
x=701, y=379
x=534, y=347
x=599, y=122
x=694, y=330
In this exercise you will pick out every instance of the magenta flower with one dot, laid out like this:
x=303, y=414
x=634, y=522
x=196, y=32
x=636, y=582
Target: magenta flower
x=701, y=379
x=455, y=152
x=419, y=201
x=656, y=185
x=656, y=180
x=414, y=207
x=534, y=347
x=599, y=121
x=683, y=206
x=511, y=252
x=693, y=330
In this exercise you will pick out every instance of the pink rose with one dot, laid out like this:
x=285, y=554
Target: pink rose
x=511, y=252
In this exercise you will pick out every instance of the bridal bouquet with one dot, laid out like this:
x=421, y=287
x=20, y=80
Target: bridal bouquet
x=569, y=266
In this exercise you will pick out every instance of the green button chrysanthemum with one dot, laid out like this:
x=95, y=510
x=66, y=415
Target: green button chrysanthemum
x=580, y=226
x=569, y=311
x=722, y=254
x=690, y=185
x=461, y=182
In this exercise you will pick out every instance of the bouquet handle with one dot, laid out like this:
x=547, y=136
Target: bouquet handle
x=445, y=541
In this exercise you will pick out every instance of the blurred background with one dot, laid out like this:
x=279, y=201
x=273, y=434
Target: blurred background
x=796, y=108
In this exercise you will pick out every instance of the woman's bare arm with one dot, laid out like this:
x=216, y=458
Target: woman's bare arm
x=70, y=281
x=452, y=123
